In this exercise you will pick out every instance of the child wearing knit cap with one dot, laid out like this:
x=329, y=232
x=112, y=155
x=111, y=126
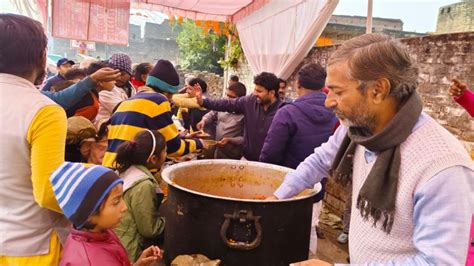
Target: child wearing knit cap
x=91, y=198
x=135, y=161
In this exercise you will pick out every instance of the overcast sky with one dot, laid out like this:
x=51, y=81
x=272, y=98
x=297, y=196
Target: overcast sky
x=417, y=15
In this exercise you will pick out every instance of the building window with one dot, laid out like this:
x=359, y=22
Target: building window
x=442, y=11
x=449, y=10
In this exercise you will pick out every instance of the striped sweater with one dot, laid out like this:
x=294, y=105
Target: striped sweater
x=146, y=110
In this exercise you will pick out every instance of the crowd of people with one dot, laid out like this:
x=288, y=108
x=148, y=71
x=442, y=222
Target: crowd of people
x=81, y=151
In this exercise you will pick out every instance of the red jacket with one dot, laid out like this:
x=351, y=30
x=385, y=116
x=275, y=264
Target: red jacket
x=466, y=100
x=86, y=248
x=137, y=83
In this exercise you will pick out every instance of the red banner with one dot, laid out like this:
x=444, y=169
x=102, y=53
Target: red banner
x=109, y=21
x=91, y=20
x=43, y=8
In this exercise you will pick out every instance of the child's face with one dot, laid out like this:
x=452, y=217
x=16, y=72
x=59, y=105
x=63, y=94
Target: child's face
x=107, y=86
x=162, y=158
x=111, y=211
x=156, y=162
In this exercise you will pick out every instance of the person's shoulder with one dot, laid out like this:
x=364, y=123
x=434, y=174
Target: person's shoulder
x=75, y=252
x=53, y=78
x=155, y=97
x=249, y=99
x=286, y=108
x=144, y=183
x=284, y=113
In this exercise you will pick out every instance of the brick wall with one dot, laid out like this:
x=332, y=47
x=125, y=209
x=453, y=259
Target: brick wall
x=215, y=83
x=244, y=72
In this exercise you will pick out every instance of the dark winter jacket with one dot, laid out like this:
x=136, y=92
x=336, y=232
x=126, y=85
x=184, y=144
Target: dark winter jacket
x=297, y=129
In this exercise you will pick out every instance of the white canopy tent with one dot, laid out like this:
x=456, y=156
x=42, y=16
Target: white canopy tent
x=275, y=34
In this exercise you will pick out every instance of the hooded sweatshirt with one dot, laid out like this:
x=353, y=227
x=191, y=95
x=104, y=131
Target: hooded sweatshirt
x=297, y=129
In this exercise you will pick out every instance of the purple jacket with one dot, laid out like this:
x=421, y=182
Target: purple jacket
x=297, y=129
x=256, y=120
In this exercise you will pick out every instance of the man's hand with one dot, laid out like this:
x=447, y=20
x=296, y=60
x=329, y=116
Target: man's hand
x=193, y=135
x=149, y=256
x=457, y=88
x=200, y=125
x=223, y=142
x=272, y=197
x=205, y=144
x=105, y=74
x=311, y=262
x=198, y=92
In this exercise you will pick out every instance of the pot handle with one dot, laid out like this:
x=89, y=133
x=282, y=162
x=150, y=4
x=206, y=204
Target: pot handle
x=242, y=216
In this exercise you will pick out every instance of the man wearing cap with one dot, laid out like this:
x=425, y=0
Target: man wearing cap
x=150, y=109
x=123, y=63
x=63, y=66
x=110, y=99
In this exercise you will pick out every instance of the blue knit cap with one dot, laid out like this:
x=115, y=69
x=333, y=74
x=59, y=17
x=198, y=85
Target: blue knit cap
x=80, y=190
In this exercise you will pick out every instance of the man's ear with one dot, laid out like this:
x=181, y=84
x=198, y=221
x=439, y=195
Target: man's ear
x=273, y=92
x=379, y=90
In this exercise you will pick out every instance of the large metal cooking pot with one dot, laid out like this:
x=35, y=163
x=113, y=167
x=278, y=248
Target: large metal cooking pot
x=216, y=209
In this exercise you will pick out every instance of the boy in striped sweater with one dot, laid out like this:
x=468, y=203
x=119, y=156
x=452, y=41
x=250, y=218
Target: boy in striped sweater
x=150, y=109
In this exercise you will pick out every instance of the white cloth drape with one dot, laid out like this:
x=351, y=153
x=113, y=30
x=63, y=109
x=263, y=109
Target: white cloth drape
x=35, y=9
x=313, y=238
x=279, y=35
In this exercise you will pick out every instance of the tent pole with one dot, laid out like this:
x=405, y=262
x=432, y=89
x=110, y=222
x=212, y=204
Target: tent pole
x=227, y=70
x=369, y=17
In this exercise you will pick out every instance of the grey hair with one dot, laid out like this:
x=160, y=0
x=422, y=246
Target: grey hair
x=374, y=56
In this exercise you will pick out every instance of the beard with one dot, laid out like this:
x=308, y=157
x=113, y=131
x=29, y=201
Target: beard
x=264, y=100
x=360, y=117
x=41, y=76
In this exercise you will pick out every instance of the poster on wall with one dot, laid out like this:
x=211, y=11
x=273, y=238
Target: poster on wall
x=109, y=21
x=103, y=21
x=82, y=45
x=70, y=19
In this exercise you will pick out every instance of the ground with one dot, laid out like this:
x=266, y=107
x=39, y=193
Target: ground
x=329, y=249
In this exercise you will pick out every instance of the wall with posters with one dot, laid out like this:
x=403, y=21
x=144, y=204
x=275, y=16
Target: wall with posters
x=159, y=42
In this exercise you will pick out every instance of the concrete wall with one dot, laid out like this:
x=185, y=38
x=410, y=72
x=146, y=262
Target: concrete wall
x=457, y=17
x=215, y=83
x=337, y=33
x=244, y=72
x=377, y=23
